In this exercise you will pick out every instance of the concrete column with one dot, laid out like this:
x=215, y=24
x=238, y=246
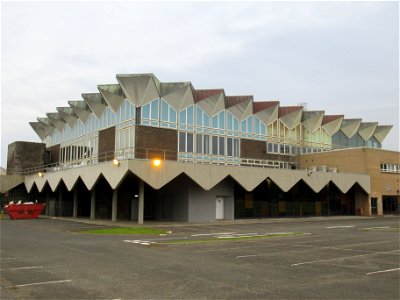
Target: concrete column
x=141, y=202
x=47, y=210
x=75, y=208
x=92, y=204
x=60, y=200
x=114, y=205
x=134, y=208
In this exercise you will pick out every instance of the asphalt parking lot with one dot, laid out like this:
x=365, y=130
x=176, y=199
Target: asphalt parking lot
x=325, y=258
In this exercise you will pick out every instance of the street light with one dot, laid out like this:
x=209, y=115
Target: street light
x=156, y=162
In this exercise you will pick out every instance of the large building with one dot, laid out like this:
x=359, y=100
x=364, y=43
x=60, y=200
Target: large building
x=145, y=149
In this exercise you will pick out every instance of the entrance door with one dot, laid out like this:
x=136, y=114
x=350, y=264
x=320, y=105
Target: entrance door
x=374, y=206
x=219, y=208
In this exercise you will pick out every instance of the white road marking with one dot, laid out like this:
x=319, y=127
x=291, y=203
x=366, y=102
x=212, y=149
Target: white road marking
x=342, y=226
x=140, y=242
x=250, y=255
x=26, y=268
x=7, y=258
x=217, y=250
x=40, y=283
x=338, y=258
x=384, y=271
x=381, y=227
x=218, y=233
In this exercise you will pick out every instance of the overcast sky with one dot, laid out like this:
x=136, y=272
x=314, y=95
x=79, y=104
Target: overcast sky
x=341, y=57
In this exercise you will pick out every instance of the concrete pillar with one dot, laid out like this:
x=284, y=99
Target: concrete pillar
x=75, y=208
x=60, y=200
x=92, y=204
x=134, y=208
x=141, y=202
x=114, y=205
x=47, y=210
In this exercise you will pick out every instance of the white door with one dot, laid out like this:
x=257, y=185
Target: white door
x=219, y=208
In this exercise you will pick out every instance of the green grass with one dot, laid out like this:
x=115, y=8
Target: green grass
x=239, y=238
x=125, y=230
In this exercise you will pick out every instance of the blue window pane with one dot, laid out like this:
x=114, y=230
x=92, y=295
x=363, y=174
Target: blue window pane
x=249, y=125
x=243, y=126
x=146, y=111
x=262, y=129
x=206, y=120
x=215, y=121
x=190, y=116
x=164, y=111
x=172, y=115
x=154, y=110
x=229, y=123
x=235, y=124
x=199, y=117
x=256, y=125
x=222, y=120
x=182, y=117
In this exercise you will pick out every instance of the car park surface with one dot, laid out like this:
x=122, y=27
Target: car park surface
x=313, y=258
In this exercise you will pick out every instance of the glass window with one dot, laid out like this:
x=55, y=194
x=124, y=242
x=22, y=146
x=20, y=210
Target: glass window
x=146, y=111
x=236, y=147
x=154, y=110
x=206, y=120
x=221, y=145
x=199, y=143
x=229, y=147
x=164, y=111
x=222, y=120
x=172, y=115
x=229, y=123
x=199, y=117
x=249, y=125
x=206, y=140
x=189, y=139
x=190, y=120
x=215, y=145
x=215, y=121
x=182, y=117
x=182, y=142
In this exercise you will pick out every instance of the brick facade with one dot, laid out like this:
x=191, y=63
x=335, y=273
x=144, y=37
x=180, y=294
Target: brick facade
x=149, y=141
x=258, y=150
x=24, y=155
x=106, y=144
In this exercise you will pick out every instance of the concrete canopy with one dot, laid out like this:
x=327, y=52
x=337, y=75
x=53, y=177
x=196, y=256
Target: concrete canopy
x=40, y=131
x=312, y=120
x=213, y=104
x=290, y=116
x=332, y=123
x=81, y=109
x=267, y=112
x=68, y=115
x=350, y=126
x=8, y=182
x=240, y=106
x=96, y=103
x=112, y=94
x=381, y=132
x=367, y=130
x=206, y=176
x=45, y=123
x=56, y=119
x=178, y=94
x=139, y=88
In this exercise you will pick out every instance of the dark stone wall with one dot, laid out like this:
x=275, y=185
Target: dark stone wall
x=24, y=155
x=258, y=150
x=156, y=139
x=106, y=144
x=54, y=154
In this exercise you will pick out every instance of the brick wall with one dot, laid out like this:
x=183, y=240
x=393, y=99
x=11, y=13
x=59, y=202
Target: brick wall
x=147, y=137
x=54, y=154
x=258, y=150
x=106, y=144
x=24, y=155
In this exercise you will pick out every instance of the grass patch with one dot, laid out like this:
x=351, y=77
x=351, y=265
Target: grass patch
x=126, y=230
x=234, y=239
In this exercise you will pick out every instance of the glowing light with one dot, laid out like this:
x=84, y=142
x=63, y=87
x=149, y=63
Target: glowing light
x=40, y=174
x=116, y=162
x=157, y=162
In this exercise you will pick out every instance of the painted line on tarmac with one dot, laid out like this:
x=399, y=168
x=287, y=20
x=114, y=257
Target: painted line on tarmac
x=140, y=242
x=25, y=268
x=220, y=250
x=217, y=233
x=40, y=283
x=333, y=248
x=340, y=226
x=339, y=258
x=380, y=227
x=7, y=258
x=383, y=271
x=244, y=256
